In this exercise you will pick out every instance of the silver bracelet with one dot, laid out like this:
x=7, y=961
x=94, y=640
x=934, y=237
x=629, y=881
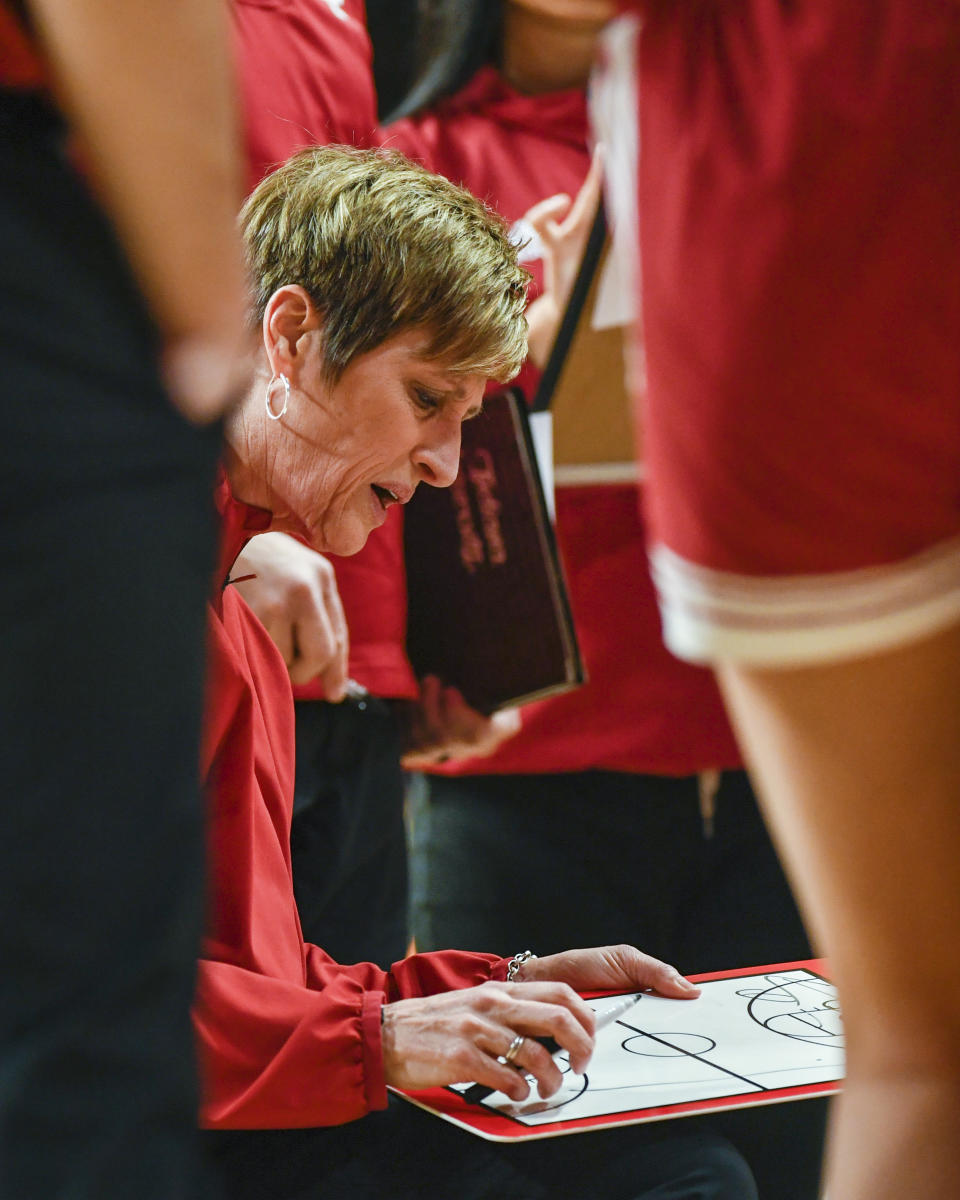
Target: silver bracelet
x=513, y=967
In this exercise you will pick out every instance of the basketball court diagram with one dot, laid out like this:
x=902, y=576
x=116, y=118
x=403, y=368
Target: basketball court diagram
x=751, y=1036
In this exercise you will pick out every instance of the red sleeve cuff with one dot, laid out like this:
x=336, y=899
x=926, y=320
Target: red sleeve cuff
x=375, y=1084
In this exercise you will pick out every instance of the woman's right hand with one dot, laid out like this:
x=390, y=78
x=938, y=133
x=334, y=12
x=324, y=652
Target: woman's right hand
x=293, y=592
x=458, y=1037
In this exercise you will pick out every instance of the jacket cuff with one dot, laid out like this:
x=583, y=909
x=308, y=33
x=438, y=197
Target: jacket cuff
x=499, y=970
x=375, y=1084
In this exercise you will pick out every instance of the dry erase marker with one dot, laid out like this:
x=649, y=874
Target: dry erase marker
x=604, y=1017
x=607, y=1016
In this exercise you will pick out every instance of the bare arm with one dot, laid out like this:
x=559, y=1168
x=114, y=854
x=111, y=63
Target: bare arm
x=148, y=88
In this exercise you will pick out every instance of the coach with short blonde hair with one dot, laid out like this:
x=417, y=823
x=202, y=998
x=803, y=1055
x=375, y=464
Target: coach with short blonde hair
x=386, y=298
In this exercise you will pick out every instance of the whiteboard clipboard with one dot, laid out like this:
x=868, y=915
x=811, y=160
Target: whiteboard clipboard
x=761, y=1035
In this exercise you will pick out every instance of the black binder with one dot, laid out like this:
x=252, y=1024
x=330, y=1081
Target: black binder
x=488, y=605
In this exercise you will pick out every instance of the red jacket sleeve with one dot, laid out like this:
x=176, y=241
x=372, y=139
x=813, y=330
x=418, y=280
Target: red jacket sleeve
x=287, y=1037
x=277, y=1055
x=418, y=975
x=280, y=1055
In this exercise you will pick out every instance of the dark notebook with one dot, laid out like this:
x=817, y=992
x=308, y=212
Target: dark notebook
x=488, y=606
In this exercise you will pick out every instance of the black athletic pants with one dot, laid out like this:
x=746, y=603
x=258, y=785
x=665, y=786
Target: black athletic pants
x=348, y=840
x=107, y=543
x=406, y=1154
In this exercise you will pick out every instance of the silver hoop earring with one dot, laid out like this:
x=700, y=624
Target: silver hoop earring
x=275, y=416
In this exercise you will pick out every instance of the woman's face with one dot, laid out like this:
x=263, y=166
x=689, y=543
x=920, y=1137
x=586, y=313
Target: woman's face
x=343, y=454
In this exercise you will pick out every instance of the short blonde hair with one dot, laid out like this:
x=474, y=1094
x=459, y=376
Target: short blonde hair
x=383, y=246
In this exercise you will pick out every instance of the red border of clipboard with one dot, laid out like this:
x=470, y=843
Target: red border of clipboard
x=450, y=1106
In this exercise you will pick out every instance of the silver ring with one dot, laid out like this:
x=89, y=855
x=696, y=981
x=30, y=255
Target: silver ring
x=515, y=1047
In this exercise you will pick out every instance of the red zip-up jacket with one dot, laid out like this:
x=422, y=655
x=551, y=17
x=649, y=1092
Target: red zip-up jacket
x=287, y=1037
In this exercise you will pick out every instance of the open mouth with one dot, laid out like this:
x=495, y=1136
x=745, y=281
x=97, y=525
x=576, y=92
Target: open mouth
x=385, y=496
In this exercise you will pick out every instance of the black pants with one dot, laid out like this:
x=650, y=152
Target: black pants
x=106, y=560
x=348, y=839
x=547, y=862
x=406, y=1154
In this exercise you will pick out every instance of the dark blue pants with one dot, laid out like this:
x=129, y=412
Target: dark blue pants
x=105, y=564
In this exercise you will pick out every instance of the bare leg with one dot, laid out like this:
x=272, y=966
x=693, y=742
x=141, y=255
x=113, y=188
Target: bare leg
x=858, y=764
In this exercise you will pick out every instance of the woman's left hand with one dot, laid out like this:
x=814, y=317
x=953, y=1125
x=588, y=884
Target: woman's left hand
x=609, y=967
x=444, y=728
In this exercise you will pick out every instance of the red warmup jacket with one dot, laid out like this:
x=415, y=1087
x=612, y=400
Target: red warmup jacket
x=21, y=66
x=306, y=78
x=642, y=710
x=287, y=1037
